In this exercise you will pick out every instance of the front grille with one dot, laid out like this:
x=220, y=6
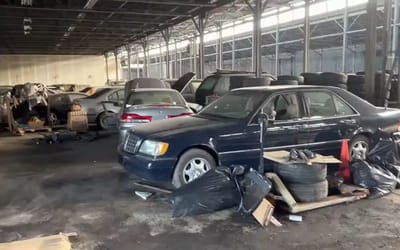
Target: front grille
x=131, y=144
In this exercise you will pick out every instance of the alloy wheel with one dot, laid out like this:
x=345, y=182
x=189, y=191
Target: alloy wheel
x=195, y=168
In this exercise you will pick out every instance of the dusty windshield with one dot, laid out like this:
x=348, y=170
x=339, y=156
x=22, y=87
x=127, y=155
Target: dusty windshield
x=236, y=105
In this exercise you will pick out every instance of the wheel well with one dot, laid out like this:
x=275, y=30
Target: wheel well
x=98, y=116
x=202, y=147
x=366, y=134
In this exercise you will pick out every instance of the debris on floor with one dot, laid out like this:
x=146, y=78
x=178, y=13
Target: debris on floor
x=295, y=218
x=53, y=242
x=144, y=195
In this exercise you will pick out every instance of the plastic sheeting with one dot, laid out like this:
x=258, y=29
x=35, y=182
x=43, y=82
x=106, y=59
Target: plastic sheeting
x=386, y=153
x=213, y=191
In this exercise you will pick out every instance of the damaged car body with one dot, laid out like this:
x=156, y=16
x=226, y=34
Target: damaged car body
x=226, y=132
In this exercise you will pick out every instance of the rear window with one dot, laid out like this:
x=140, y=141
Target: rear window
x=155, y=97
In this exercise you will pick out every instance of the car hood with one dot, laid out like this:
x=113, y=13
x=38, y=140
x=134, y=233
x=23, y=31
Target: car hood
x=165, y=129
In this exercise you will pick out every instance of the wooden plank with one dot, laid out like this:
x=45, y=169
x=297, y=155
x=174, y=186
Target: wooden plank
x=281, y=188
x=282, y=156
x=53, y=242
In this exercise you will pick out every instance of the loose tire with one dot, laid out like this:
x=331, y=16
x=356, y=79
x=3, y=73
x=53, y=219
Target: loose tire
x=299, y=79
x=309, y=192
x=284, y=82
x=189, y=166
x=359, y=147
x=301, y=173
x=310, y=78
x=331, y=78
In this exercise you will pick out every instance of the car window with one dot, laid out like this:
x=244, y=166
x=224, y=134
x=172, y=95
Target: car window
x=113, y=97
x=121, y=94
x=285, y=107
x=155, y=97
x=76, y=96
x=236, y=105
x=324, y=104
x=223, y=86
x=342, y=107
x=208, y=83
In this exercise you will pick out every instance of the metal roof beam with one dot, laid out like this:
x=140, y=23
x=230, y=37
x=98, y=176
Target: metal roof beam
x=175, y=3
x=86, y=19
x=115, y=12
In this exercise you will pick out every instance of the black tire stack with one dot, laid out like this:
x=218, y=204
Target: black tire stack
x=310, y=78
x=307, y=183
x=356, y=85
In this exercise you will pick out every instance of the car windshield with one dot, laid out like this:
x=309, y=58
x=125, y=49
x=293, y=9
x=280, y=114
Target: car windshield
x=236, y=105
x=155, y=97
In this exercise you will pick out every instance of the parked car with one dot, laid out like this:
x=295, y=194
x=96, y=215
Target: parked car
x=222, y=81
x=226, y=132
x=92, y=105
x=147, y=105
x=60, y=105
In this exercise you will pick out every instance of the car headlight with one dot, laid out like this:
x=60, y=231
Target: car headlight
x=153, y=148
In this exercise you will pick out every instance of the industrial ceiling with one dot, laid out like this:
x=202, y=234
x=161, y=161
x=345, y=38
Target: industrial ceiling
x=89, y=26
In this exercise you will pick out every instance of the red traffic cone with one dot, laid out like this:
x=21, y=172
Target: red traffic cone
x=344, y=169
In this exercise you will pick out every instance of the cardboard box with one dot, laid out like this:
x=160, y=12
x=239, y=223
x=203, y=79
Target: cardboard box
x=77, y=121
x=283, y=157
x=263, y=212
x=36, y=124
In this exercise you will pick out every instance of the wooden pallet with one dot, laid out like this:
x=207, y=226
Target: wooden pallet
x=294, y=207
x=22, y=131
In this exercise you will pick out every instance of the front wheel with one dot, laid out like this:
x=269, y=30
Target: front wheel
x=359, y=147
x=191, y=165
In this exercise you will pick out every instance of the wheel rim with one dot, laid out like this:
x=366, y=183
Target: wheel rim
x=359, y=150
x=195, y=168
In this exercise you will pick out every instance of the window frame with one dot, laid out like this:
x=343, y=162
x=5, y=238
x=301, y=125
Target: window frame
x=332, y=94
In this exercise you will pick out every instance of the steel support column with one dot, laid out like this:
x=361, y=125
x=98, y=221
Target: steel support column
x=191, y=52
x=257, y=38
x=370, y=53
x=161, y=63
x=220, y=47
x=107, y=76
x=386, y=64
x=306, y=36
x=145, y=69
x=116, y=65
x=128, y=51
x=137, y=65
x=201, y=44
x=233, y=47
x=277, y=45
x=180, y=63
x=176, y=61
x=166, y=36
x=345, y=28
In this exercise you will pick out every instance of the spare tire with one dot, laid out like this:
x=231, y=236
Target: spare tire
x=355, y=80
x=284, y=82
x=299, y=79
x=329, y=78
x=310, y=78
x=309, y=192
x=301, y=172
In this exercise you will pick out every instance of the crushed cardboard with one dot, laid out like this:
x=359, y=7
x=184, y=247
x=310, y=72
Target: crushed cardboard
x=282, y=156
x=52, y=242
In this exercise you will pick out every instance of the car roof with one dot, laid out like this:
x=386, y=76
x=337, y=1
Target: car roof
x=283, y=87
x=70, y=93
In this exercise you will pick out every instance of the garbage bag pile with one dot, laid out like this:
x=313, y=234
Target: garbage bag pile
x=219, y=189
x=380, y=172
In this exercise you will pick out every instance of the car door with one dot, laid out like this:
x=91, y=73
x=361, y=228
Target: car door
x=329, y=119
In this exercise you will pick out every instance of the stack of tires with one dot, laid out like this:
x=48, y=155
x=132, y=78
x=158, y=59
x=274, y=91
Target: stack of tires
x=326, y=79
x=307, y=183
x=288, y=80
x=356, y=85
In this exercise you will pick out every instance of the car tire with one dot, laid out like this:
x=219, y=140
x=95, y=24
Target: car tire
x=310, y=78
x=182, y=168
x=299, y=79
x=301, y=173
x=53, y=119
x=309, y=192
x=99, y=121
x=359, y=147
x=284, y=82
x=331, y=78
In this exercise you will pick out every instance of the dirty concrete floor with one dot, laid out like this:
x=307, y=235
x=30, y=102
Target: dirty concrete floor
x=79, y=187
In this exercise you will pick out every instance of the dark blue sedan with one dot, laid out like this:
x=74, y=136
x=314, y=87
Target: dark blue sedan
x=226, y=132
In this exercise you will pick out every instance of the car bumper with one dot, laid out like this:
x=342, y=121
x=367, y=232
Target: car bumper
x=157, y=170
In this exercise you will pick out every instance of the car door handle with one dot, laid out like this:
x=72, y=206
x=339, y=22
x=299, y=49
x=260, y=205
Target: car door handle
x=348, y=121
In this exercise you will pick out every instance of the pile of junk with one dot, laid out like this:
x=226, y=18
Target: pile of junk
x=27, y=107
x=293, y=181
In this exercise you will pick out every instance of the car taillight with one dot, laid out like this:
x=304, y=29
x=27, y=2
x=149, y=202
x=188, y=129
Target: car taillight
x=180, y=115
x=135, y=118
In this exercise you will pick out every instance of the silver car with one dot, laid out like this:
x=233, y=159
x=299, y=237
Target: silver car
x=147, y=105
x=93, y=105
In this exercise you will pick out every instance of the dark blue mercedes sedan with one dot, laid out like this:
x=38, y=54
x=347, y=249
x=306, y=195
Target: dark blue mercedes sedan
x=227, y=131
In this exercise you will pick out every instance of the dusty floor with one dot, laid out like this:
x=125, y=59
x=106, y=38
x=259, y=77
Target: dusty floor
x=79, y=187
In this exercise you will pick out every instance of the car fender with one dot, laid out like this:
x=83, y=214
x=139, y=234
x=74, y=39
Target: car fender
x=208, y=147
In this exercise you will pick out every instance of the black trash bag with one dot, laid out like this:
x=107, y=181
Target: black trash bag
x=386, y=153
x=213, y=191
x=253, y=188
x=378, y=180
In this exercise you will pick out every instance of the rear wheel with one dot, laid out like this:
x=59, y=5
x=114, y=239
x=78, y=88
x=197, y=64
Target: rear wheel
x=191, y=165
x=359, y=147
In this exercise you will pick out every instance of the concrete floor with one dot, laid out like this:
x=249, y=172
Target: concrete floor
x=79, y=187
